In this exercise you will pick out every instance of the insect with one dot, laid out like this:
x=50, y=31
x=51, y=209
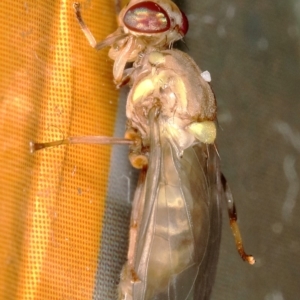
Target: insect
x=175, y=226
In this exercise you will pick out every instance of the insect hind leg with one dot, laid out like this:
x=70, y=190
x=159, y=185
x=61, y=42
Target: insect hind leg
x=233, y=222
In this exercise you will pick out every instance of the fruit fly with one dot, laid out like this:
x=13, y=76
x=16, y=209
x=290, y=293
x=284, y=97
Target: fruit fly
x=175, y=227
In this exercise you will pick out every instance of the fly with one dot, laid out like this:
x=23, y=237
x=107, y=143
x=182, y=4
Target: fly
x=175, y=226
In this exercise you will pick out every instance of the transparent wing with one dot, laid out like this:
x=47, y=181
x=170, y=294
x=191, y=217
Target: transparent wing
x=179, y=234
x=208, y=267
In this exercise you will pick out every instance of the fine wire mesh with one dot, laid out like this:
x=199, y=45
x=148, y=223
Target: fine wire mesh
x=64, y=233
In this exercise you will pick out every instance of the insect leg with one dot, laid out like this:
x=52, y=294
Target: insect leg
x=117, y=35
x=83, y=26
x=93, y=140
x=118, y=6
x=233, y=222
x=128, y=275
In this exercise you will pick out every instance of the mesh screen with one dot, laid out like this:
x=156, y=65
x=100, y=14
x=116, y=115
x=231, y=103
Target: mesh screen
x=64, y=211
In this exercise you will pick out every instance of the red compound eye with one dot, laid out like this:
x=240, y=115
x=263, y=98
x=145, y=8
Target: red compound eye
x=185, y=24
x=147, y=17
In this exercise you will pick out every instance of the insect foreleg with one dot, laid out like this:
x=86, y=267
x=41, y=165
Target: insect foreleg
x=83, y=26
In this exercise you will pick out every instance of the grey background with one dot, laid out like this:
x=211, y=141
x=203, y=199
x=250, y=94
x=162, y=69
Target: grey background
x=251, y=49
